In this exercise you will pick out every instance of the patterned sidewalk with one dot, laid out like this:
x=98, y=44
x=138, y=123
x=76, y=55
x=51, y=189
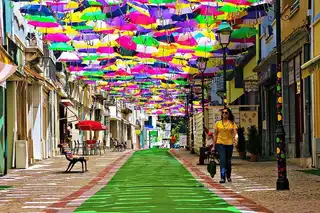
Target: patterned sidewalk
x=45, y=187
x=254, y=185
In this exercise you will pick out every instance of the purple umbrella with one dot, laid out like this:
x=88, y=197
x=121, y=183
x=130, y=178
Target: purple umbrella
x=86, y=37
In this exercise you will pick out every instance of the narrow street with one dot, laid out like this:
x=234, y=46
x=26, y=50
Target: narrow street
x=154, y=180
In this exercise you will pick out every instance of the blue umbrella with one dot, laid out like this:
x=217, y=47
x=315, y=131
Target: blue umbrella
x=36, y=9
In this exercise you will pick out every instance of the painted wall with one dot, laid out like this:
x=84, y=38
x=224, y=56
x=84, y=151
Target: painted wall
x=8, y=16
x=247, y=70
x=20, y=28
x=2, y=129
x=296, y=19
x=11, y=125
x=316, y=74
x=267, y=43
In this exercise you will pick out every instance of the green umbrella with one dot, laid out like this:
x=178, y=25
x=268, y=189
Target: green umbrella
x=162, y=1
x=94, y=3
x=146, y=40
x=244, y=32
x=91, y=57
x=93, y=16
x=204, y=48
x=207, y=19
x=124, y=78
x=40, y=18
x=229, y=9
x=60, y=46
x=82, y=27
x=93, y=74
x=181, y=82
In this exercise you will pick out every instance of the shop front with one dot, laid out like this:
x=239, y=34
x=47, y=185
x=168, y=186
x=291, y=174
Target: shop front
x=6, y=70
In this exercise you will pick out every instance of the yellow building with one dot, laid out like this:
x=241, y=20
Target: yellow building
x=295, y=52
x=312, y=68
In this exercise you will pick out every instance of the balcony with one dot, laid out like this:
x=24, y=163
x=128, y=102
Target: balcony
x=33, y=53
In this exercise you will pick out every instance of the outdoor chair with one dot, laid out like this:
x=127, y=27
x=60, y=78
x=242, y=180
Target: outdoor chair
x=75, y=147
x=99, y=146
x=73, y=159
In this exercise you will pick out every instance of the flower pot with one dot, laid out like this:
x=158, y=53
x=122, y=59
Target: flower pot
x=254, y=158
x=242, y=155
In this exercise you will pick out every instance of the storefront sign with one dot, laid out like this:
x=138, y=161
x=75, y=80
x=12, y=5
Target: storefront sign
x=251, y=86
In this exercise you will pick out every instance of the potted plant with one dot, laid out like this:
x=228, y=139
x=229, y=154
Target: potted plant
x=241, y=143
x=254, y=143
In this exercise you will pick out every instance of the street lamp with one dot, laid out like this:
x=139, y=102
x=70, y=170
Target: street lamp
x=191, y=115
x=202, y=65
x=282, y=181
x=224, y=36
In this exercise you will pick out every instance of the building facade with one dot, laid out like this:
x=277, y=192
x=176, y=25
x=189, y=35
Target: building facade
x=311, y=70
x=296, y=91
x=266, y=71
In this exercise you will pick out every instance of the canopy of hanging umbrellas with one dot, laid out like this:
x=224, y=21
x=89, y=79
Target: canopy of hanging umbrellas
x=144, y=51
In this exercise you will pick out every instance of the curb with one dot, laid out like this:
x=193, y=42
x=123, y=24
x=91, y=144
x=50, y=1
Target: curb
x=242, y=203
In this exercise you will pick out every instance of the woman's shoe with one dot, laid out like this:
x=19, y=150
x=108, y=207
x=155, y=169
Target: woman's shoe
x=229, y=180
x=222, y=181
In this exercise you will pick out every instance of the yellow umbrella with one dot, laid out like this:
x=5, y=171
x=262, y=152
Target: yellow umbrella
x=72, y=5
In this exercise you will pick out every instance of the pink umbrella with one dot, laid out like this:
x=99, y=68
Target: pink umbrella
x=43, y=24
x=57, y=37
x=75, y=69
x=138, y=18
x=108, y=50
x=126, y=42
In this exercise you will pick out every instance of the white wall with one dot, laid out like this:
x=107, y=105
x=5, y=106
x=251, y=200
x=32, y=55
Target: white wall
x=37, y=122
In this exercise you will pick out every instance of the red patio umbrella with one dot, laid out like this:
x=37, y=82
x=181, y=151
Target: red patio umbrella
x=91, y=125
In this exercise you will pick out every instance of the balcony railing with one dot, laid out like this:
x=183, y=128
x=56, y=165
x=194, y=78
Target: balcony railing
x=295, y=6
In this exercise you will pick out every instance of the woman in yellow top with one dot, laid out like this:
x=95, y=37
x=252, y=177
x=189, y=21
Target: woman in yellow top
x=225, y=135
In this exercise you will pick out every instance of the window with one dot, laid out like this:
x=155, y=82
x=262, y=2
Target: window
x=292, y=98
x=269, y=31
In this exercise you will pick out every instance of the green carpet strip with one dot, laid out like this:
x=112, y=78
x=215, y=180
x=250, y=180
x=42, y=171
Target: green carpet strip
x=152, y=181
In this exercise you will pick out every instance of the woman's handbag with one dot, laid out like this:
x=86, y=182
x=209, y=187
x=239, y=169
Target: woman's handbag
x=212, y=168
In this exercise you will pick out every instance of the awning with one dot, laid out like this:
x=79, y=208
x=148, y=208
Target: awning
x=6, y=67
x=6, y=70
x=66, y=102
x=263, y=65
x=91, y=125
x=4, y=56
x=311, y=66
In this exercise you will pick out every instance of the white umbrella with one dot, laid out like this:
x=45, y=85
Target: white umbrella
x=68, y=56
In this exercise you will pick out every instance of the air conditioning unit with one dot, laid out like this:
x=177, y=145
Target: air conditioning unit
x=21, y=154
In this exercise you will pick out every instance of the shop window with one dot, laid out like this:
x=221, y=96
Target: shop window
x=292, y=87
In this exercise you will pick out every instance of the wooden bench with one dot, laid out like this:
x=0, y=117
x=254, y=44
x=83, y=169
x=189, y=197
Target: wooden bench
x=73, y=159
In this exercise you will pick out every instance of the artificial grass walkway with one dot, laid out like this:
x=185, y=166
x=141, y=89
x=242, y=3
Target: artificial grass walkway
x=153, y=181
x=311, y=171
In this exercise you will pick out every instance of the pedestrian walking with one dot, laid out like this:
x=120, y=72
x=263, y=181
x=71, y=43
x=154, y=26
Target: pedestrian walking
x=225, y=136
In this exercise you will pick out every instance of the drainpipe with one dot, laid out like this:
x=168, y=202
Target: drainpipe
x=5, y=157
x=313, y=140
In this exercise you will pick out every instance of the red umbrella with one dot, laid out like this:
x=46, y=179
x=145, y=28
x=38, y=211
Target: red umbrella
x=91, y=125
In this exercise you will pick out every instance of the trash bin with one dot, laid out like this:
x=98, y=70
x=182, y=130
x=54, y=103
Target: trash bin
x=21, y=154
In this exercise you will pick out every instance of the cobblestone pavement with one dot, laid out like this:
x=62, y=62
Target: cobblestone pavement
x=45, y=187
x=255, y=183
